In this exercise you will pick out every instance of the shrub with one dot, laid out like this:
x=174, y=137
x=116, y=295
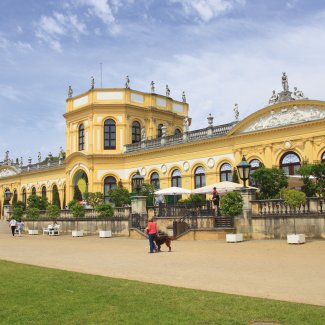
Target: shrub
x=35, y=201
x=72, y=203
x=105, y=211
x=56, y=197
x=17, y=213
x=77, y=194
x=231, y=204
x=33, y=213
x=53, y=211
x=78, y=211
x=94, y=199
x=119, y=196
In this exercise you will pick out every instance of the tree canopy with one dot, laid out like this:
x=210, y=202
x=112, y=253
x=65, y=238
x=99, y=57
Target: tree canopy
x=313, y=176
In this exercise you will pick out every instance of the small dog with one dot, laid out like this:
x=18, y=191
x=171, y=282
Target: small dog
x=163, y=238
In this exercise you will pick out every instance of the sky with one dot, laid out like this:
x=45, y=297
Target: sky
x=220, y=52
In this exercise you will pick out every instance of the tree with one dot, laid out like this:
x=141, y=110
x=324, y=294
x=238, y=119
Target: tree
x=77, y=194
x=17, y=213
x=148, y=190
x=119, y=196
x=33, y=213
x=78, y=211
x=105, y=211
x=235, y=177
x=294, y=199
x=94, y=199
x=20, y=204
x=35, y=201
x=56, y=197
x=72, y=203
x=231, y=204
x=313, y=176
x=270, y=181
x=53, y=211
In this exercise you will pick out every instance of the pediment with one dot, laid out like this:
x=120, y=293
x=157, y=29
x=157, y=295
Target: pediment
x=280, y=116
x=6, y=171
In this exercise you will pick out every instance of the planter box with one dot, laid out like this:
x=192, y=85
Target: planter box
x=32, y=231
x=234, y=238
x=77, y=233
x=105, y=233
x=296, y=239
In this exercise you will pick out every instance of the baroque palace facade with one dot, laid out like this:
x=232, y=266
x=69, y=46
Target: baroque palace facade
x=112, y=133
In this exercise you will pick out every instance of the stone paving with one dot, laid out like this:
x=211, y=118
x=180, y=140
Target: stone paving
x=266, y=268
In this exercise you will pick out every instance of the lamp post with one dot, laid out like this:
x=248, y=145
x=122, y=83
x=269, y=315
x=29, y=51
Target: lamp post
x=244, y=170
x=7, y=208
x=137, y=182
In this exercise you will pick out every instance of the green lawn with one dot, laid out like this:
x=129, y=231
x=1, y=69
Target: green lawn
x=36, y=295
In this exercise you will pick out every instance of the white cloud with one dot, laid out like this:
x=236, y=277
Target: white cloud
x=9, y=92
x=7, y=45
x=207, y=9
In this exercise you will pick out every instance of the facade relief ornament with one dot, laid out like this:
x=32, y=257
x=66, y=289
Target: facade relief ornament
x=164, y=169
x=5, y=172
x=210, y=162
x=186, y=166
x=287, y=145
x=286, y=116
x=143, y=171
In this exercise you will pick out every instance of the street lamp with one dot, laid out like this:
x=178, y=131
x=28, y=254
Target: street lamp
x=244, y=170
x=137, y=182
x=7, y=195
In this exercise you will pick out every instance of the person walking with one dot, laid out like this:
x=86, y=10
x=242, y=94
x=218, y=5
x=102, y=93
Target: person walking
x=216, y=199
x=12, y=225
x=20, y=227
x=152, y=232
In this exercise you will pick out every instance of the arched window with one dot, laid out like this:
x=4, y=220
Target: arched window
x=199, y=177
x=176, y=178
x=178, y=132
x=225, y=172
x=290, y=163
x=33, y=191
x=109, y=183
x=323, y=157
x=24, y=197
x=255, y=163
x=160, y=130
x=136, y=132
x=44, y=192
x=109, y=135
x=15, y=198
x=81, y=137
x=154, y=180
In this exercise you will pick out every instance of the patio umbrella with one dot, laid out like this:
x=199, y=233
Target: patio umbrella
x=222, y=187
x=173, y=191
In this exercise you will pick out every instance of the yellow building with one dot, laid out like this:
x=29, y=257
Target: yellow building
x=112, y=133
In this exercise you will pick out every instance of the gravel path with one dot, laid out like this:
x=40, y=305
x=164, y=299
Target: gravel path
x=266, y=268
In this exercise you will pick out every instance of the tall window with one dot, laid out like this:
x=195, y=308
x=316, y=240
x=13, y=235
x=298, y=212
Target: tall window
x=15, y=198
x=33, y=191
x=44, y=192
x=199, y=177
x=178, y=132
x=176, y=178
x=154, y=180
x=81, y=137
x=109, y=183
x=225, y=172
x=323, y=157
x=109, y=135
x=160, y=130
x=290, y=163
x=255, y=163
x=136, y=132
x=24, y=198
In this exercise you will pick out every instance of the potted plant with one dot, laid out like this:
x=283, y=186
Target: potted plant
x=33, y=213
x=231, y=205
x=294, y=199
x=78, y=211
x=105, y=211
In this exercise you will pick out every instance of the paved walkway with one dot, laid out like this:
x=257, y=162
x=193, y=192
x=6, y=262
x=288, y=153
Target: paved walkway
x=267, y=268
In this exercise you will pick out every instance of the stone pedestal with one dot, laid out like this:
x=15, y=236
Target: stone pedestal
x=7, y=209
x=139, y=204
x=248, y=195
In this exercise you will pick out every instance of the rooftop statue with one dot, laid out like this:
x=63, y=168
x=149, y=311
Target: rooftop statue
x=143, y=134
x=92, y=83
x=183, y=97
x=70, y=92
x=285, y=84
x=167, y=91
x=298, y=94
x=152, y=86
x=185, y=124
x=236, y=111
x=274, y=98
x=39, y=157
x=127, y=82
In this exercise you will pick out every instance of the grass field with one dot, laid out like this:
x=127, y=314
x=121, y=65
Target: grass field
x=36, y=295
